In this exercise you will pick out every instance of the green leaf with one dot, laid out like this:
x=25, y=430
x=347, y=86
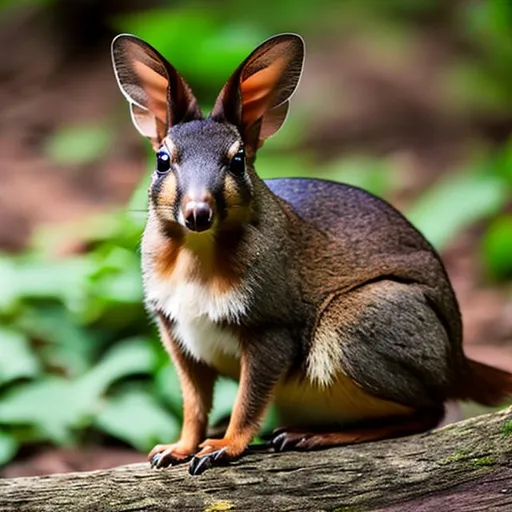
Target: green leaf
x=455, y=203
x=78, y=145
x=62, y=280
x=368, y=173
x=20, y=4
x=9, y=293
x=103, y=232
x=503, y=163
x=16, y=357
x=285, y=165
x=54, y=406
x=469, y=86
x=128, y=357
x=137, y=418
x=358, y=171
x=68, y=345
x=497, y=247
x=223, y=400
x=8, y=447
x=168, y=387
x=117, y=279
x=120, y=286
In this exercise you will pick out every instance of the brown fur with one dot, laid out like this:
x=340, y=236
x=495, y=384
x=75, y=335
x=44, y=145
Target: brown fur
x=185, y=257
x=384, y=429
x=168, y=192
x=484, y=384
x=165, y=258
x=197, y=382
x=248, y=411
x=342, y=403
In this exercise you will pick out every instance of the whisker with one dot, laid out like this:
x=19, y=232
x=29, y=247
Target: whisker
x=146, y=210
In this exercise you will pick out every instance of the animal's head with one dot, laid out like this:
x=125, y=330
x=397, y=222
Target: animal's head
x=201, y=179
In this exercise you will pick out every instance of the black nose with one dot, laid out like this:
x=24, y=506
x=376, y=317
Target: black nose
x=198, y=216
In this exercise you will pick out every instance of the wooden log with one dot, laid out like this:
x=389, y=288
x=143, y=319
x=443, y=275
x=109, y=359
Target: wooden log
x=465, y=466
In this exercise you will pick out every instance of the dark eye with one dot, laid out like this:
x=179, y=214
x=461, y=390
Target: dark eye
x=163, y=162
x=237, y=164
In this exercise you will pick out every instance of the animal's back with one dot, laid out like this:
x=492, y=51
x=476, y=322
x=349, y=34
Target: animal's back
x=363, y=239
x=348, y=212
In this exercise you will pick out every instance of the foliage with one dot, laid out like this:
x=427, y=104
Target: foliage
x=79, y=357
x=497, y=247
x=458, y=202
x=79, y=144
x=76, y=342
x=9, y=4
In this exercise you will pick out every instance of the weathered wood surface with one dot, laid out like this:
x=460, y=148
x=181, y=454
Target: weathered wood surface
x=462, y=467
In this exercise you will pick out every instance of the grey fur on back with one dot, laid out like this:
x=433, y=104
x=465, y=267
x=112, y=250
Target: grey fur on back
x=365, y=252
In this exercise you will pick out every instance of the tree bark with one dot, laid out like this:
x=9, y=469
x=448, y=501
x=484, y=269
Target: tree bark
x=465, y=466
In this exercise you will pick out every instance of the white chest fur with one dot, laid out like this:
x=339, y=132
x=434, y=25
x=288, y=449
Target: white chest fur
x=196, y=311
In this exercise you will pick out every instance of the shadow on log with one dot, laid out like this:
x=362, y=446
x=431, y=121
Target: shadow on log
x=466, y=466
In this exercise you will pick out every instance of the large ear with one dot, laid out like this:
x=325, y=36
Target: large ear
x=159, y=98
x=256, y=97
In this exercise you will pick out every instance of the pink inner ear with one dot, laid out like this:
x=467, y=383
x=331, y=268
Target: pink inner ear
x=155, y=87
x=145, y=122
x=258, y=91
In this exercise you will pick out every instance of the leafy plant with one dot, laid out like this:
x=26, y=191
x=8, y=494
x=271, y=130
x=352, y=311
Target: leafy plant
x=456, y=203
x=497, y=247
x=78, y=144
x=74, y=331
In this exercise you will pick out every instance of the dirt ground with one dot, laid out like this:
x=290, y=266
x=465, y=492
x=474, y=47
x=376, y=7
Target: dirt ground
x=44, y=85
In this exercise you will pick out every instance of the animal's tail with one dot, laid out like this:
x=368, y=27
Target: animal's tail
x=485, y=384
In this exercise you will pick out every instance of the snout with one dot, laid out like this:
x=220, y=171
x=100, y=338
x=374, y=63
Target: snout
x=198, y=214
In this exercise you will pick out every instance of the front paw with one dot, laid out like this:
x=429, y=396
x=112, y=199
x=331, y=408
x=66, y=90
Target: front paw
x=215, y=452
x=164, y=455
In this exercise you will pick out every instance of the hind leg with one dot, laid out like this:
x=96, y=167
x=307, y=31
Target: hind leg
x=379, y=366
x=314, y=439
x=387, y=337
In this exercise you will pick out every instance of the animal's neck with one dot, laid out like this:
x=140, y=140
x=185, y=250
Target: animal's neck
x=206, y=258
x=221, y=258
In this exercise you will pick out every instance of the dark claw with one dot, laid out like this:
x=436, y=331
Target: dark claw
x=156, y=460
x=220, y=455
x=280, y=442
x=277, y=442
x=286, y=441
x=164, y=460
x=199, y=465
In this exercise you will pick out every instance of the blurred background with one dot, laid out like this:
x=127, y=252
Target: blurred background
x=410, y=100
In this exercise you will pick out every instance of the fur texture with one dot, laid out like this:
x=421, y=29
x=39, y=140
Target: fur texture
x=313, y=294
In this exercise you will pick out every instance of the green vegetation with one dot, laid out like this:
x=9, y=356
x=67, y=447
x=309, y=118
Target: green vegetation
x=507, y=429
x=465, y=456
x=454, y=457
x=483, y=461
x=80, y=361
x=78, y=352
x=79, y=145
